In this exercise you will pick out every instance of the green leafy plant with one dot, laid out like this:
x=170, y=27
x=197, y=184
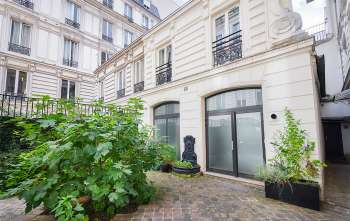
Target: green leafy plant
x=101, y=158
x=183, y=164
x=292, y=161
x=168, y=154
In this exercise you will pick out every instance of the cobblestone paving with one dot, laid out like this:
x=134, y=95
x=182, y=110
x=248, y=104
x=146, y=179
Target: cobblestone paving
x=204, y=198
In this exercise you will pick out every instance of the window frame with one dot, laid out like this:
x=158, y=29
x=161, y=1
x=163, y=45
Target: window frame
x=128, y=36
x=73, y=11
x=164, y=58
x=17, y=76
x=139, y=71
x=68, y=89
x=120, y=79
x=109, y=28
x=128, y=10
x=73, y=55
x=20, y=33
x=226, y=22
x=145, y=21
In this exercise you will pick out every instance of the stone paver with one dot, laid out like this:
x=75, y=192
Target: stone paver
x=204, y=198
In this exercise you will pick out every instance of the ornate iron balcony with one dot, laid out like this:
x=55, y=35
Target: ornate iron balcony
x=108, y=3
x=227, y=49
x=107, y=38
x=19, y=49
x=139, y=86
x=25, y=3
x=121, y=93
x=163, y=73
x=72, y=23
x=70, y=63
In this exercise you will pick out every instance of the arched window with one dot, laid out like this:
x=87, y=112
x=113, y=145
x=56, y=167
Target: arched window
x=234, y=132
x=167, y=123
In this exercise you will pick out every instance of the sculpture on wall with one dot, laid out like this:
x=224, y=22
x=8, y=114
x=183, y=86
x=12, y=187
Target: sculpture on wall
x=284, y=22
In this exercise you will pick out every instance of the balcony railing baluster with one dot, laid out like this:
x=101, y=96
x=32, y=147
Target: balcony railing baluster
x=19, y=49
x=163, y=73
x=25, y=3
x=107, y=38
x=227, y=49
x=70, y=63
x=139, y=86
x=72, y=23
x=121, y=93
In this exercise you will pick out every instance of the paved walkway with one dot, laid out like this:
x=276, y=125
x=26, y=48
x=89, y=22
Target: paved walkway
x=204, y=198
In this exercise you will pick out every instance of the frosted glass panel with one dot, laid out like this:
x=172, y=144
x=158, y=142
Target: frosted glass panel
x=172, y=108
x=249, y=142
x=160, y=125
x=220, y=143
x=174, y=134
x=235, y=99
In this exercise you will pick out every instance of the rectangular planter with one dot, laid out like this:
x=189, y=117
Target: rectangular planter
x=301, y=194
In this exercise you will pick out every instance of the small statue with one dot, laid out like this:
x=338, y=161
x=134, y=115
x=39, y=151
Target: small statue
x=189, y=155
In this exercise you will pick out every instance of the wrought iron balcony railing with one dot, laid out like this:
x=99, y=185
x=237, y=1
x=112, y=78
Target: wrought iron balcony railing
x=139, y=86
x=107, y=38
x=121, y=93
x=70, y=62
x=108, y=3
x=15, y=105
x=25, y=3
x=163, y=73
x=320, y=32
x=19, y=49
x=227, y=49
x=72, y=23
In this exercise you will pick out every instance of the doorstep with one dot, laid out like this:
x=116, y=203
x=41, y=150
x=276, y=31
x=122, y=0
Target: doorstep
x=240, y=179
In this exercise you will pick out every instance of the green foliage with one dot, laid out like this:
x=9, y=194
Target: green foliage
x=183, y=164
x=168, y=153
x=102, y=158
x=292, y=161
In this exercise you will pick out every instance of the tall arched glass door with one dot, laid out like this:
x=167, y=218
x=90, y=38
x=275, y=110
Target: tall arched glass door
x=234, y=132
x=167, y=123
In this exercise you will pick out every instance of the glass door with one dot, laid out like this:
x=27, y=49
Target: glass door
x=220, y=144
x=249, y=143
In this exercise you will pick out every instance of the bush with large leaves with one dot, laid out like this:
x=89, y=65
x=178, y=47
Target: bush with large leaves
x=87, y=164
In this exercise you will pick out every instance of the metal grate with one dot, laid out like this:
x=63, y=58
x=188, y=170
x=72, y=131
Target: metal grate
x=163, y=73
x=227, y=49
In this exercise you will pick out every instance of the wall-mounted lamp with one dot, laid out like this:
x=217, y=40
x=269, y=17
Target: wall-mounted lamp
x=273, y=116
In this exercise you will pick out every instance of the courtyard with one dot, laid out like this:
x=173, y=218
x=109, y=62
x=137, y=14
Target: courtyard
x=202, y=198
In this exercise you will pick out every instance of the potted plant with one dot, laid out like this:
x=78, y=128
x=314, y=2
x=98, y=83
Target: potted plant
x=185, y=167
x=168, y=156
x=290, y=176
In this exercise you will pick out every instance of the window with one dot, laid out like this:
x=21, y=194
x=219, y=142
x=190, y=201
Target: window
x=145, y=21
x=16, y=82
x=232, y=19
x=20, y=37
x=105, y=56
x=164, y=55
x=108, y=3
x=68, y=89
x=167, y=124
x=147, y=3
x=152, y=23
x=128, y=11
x=107, y=31
x=121, y=80
x=139, y=71
x=127, y=38
x=73, y=12
x=71, y=50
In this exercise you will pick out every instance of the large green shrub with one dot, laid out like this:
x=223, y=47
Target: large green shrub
x=86, y=164
x=293, y=150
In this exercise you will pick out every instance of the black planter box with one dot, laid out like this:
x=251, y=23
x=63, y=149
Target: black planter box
x=194, y=170
x=297, y=193
x=165, y=168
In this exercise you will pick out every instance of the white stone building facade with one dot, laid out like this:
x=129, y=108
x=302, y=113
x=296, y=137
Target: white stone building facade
x=52, y=47
x=223, y=72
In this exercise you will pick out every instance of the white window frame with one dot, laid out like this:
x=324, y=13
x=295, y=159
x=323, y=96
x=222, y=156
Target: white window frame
x=145, y=21
x=120, y=80
x=163, y=55
x=73, y=55
x=16, y=81
x=109, y=28
x=128, y=38
x=73, y=11
x=128, y=10
x=107, y=56
x=139, y=72
x=226, y=22
x=68, y=88
x=20, y=34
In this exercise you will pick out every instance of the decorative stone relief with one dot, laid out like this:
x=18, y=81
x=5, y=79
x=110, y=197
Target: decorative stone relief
x=284, y=23
x=3, y=61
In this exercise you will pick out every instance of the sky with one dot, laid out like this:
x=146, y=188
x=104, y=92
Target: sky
x=312, y=13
